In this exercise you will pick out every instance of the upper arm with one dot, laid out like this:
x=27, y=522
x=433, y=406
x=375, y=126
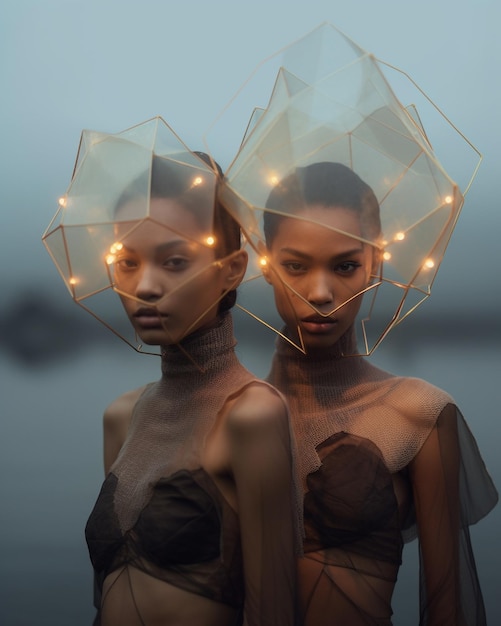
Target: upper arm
x=260, y=444
x=116, y=421
x=261, y=463
x=258, y=430
x=435, y=480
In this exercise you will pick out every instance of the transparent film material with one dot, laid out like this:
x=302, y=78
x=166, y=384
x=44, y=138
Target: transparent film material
x=325, y=100
x=134, y=233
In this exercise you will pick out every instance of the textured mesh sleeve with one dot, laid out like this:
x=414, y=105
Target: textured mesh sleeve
x=263, y=473
x=452, y=489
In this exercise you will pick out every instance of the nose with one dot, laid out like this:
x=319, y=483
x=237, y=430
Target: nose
x=320, y=289
x=149, y=286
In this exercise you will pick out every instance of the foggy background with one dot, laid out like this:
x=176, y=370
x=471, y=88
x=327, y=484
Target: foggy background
x=67, y=65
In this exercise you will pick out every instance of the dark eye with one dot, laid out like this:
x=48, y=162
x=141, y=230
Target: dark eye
x=347, y=267
x=125, y=264
x=294, y=267
x=176, y=263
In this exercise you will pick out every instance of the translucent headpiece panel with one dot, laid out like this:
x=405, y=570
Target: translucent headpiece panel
x=134, y=231
x=334, y=133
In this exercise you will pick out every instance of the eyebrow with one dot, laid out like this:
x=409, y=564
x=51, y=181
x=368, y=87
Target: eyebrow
x=304, y=255
x=165, y=247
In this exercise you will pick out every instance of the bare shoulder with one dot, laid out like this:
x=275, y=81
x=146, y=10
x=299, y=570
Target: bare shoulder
x=116, y=421
x=257, y=403
x=117, y=415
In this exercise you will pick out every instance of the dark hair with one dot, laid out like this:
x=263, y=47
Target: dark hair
x=173, y=179
x=328, y=184
x=226, y=229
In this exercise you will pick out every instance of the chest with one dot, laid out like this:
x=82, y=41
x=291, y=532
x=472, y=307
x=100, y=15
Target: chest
x=352, y=497
x=396, y=434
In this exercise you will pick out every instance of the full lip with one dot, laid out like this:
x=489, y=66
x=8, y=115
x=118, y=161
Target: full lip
x=318, y=323
x=148, y=318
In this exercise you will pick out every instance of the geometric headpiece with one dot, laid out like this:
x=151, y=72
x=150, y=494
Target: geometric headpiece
x=128, y=169
x=331, y=101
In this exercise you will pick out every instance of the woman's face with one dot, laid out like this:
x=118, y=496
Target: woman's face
x=170, y=284
x=316, y=273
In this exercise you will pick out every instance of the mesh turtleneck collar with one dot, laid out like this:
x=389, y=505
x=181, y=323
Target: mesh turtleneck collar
x=292, y=370
x=173, y=416
x=203, y=351
x=329, y=393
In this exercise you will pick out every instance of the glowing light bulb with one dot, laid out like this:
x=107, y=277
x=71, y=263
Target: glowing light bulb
x=73, y=281
x=263, y=261
x=198, y=180
x=62, y=201
x=386, y=256
x=273, y=179
x=448, y=199
x=115, y=247
x=110, y=259
x=210, y=241
x=400, y=236
x=429, y=264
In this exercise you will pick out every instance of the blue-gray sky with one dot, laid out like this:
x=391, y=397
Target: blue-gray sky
x=66, y=65
x=105, y=65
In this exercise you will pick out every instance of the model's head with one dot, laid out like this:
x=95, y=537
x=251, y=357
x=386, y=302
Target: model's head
x=322, y=229
x=177, y=268
x=326, y=184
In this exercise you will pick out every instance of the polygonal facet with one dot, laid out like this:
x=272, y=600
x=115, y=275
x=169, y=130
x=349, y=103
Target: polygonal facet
x=331, y=103
x=135, y=231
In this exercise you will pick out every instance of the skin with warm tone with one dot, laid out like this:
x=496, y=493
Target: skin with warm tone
x=318, y=271
x=319, y=274
x=170, y=283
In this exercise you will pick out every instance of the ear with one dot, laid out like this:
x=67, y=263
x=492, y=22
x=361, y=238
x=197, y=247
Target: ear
x=235, y=267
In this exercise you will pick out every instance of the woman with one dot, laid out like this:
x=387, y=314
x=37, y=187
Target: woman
x=378, y=454
x=194, y=523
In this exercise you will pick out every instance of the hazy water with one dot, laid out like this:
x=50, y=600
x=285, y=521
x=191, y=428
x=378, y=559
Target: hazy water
x=51, y=470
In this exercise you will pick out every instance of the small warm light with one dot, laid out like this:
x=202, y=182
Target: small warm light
x=115, y=247
x=400, y=236
x=210, y=241
x=273, y=179
x=73, y=281
x=386, y=256
x=263, y=261
x=429, y=264
x=448, y=199
x=62, y=201
x=198, y=180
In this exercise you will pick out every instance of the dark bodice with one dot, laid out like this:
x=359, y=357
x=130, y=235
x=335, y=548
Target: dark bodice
x=178, y=537
x=378, y=456
x=350, y=501
x=161, y=523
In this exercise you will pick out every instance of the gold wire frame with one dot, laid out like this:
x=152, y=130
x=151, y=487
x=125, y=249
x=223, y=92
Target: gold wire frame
x=305, y=120
x=81, y=238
